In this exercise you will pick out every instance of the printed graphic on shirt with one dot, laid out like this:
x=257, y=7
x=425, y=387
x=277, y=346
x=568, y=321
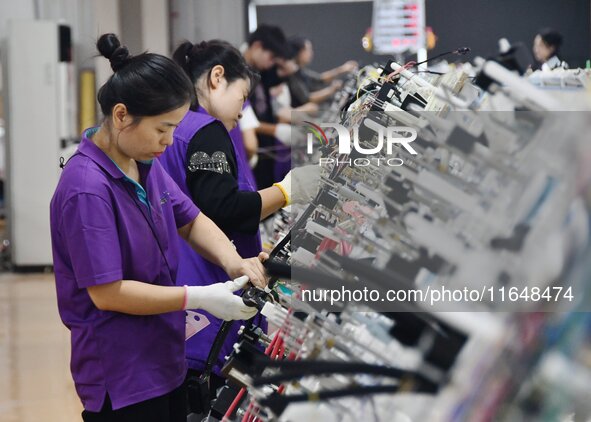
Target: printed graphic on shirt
x=195, y=322
x=218, y=162
x=164, y=197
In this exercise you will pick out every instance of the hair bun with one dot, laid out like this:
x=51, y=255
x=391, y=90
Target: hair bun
x=110, y=47
x=201, y=46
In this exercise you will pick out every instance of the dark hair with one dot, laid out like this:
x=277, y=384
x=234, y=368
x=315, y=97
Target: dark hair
x=199, y=59
x=148, y=84
x=298, y=43
x=271, y=38
x=551, y=38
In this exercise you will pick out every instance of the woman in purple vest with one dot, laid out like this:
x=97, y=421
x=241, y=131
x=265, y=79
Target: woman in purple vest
x=115, y=220
x=207, y=164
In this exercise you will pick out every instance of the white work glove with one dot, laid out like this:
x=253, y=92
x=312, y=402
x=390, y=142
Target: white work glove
x=301, y=184
x=219, y=300
x=254, y=160
x=249, y=119
x=283, y=133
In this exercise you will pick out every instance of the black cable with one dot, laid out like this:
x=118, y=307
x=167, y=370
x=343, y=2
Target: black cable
x=317, y=279
x=279, y=246
x=367, y=272
x=298, y=369
x=225, y=327
x=459, y=51
x=277, y=402
x=351, y=391
x=430, y=72
x=216, y=347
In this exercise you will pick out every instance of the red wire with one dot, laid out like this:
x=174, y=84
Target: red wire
x=234, y=404
x=274, y=350
x=269, y=351
x=399, y=70
x=270, y=346
x=292, y=355
x=247, y=416
x=255, y=414
x=282, y=350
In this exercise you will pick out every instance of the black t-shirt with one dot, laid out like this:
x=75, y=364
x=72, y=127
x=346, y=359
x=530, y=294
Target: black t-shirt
x=298, y=88
x=212, y=180
x=302, y=83
x=260, y=100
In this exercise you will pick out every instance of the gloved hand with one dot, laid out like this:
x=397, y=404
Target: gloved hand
x=350, y=66
x=283, y=133
x=336, y=85
x=219, y=300
x=301, y=184
x=253, y=161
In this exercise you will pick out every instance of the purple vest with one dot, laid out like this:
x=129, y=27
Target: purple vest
x=282, y=160
x=193, y=269
x=238, y=141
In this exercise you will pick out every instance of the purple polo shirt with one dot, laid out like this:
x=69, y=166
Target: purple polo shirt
x=103, y=230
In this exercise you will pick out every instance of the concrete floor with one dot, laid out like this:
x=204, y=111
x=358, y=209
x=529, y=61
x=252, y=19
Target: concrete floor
x=35, y=379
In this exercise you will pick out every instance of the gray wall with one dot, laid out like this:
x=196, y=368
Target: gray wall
x=198, y=20
x=480, y=23
x=336, y=28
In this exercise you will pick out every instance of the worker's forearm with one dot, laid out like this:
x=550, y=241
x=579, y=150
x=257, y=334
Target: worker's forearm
x=137, y=298
x=210, y=242
x=329, y=75
x=251, y=143
x=321, y=95
x=266, y=129
x=272, y=199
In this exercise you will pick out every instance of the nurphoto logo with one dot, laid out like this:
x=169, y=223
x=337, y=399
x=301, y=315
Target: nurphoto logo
x=387, y=138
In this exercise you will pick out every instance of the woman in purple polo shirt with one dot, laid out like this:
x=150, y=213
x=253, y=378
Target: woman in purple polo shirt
x=207, y=164
x=115, y=216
